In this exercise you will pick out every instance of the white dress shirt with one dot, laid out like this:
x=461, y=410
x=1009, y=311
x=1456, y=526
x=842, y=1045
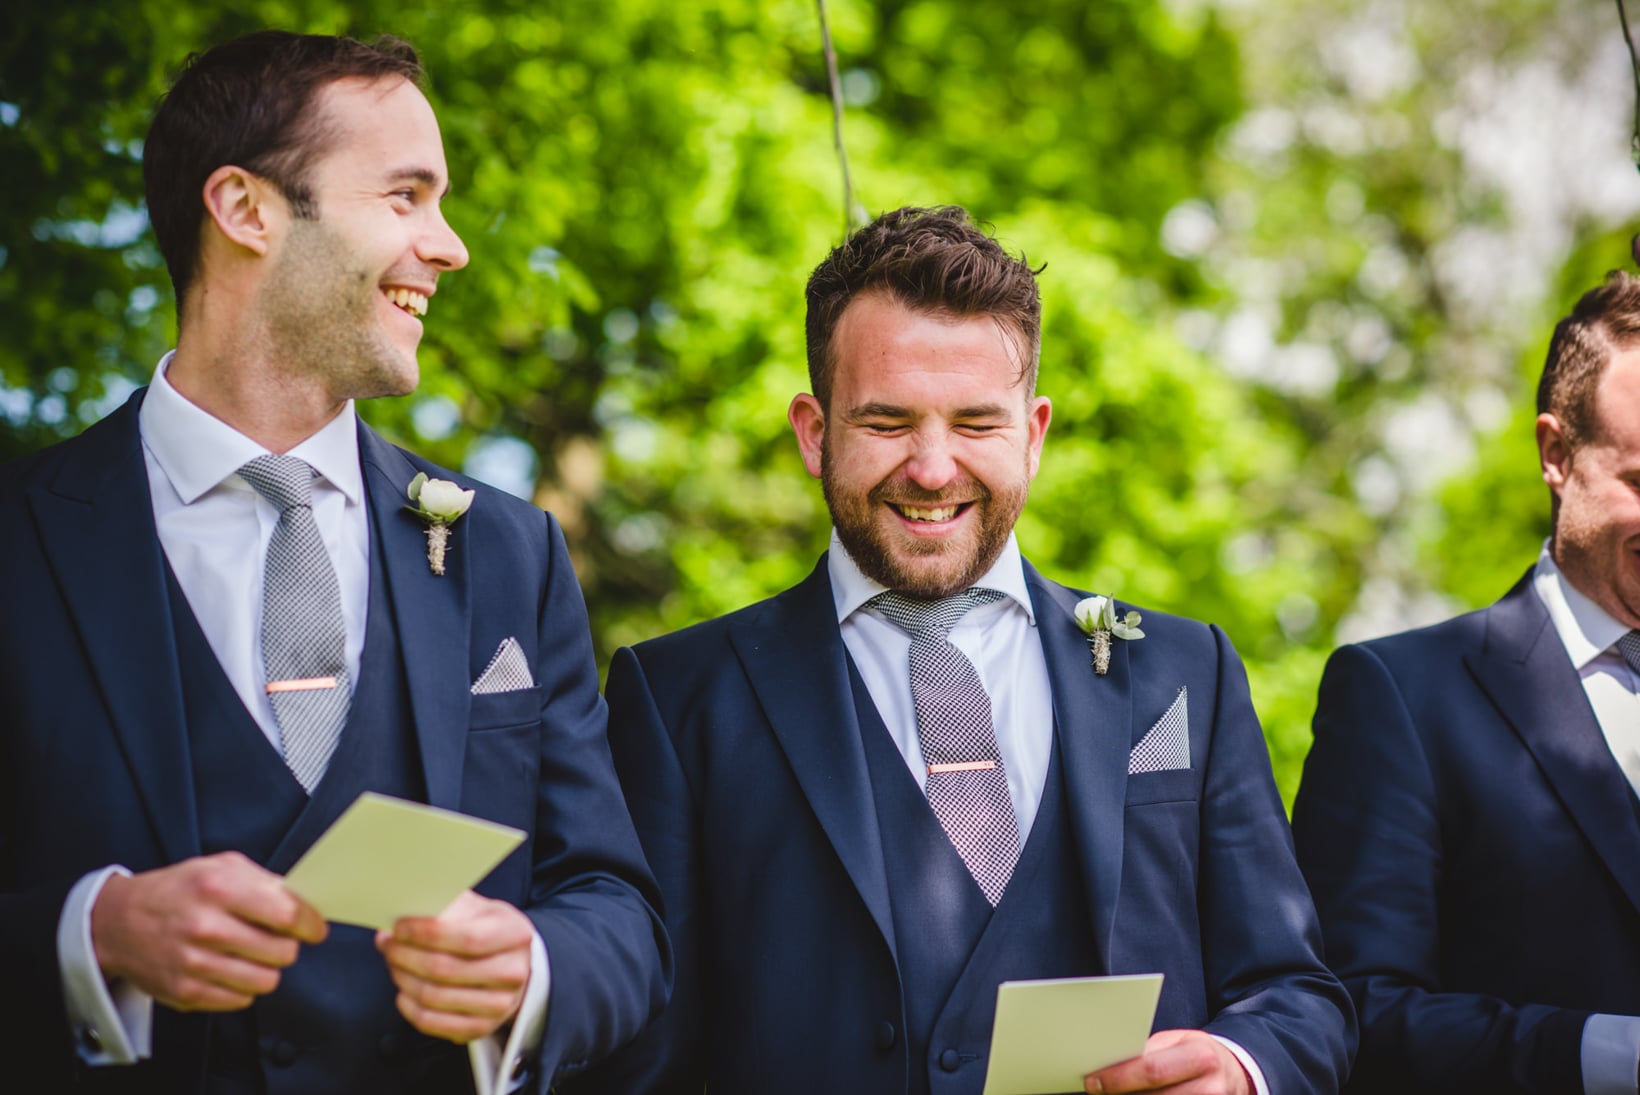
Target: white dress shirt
x=214, y=528
x=1000, y=638
x=1610, y=1049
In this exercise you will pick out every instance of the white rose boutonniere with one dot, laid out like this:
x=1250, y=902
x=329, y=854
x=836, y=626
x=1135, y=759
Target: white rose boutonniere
x=438, y=502
x=1097, y=616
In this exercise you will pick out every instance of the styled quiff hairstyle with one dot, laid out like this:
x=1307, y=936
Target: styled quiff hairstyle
x=1605, y=320
x=930, y=260
x=249, y=102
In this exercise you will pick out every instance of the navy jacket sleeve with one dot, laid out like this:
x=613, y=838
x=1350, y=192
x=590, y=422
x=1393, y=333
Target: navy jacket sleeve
x=1268, y=991
x=591, y=896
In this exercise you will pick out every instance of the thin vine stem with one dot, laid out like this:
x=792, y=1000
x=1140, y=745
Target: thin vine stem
x=1634, y=65
x=849, y=220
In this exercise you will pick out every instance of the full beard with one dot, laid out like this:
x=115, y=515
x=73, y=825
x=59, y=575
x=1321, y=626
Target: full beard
x=921, y=568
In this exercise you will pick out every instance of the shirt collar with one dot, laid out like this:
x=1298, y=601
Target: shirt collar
x=197, y=450
x=1586, y=629
x=851, y=589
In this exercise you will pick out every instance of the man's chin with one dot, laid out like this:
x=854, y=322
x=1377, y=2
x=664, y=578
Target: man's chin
x=395, y=378
x=926, y=573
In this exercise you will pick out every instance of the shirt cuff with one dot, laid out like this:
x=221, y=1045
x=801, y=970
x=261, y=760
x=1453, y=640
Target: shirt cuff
x=1610, y=1055
x=1247, y=1062
x=112, y=1023
x=501, y=1068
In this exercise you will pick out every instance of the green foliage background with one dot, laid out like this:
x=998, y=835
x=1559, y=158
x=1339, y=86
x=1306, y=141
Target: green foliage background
x=645, y=186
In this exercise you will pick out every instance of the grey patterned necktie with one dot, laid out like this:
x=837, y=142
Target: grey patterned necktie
x=967, y=785
x=304, y=641
x=1629, y=647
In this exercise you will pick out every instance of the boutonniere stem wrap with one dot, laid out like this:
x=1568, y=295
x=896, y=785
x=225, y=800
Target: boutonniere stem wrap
x=438, y=502
x=1097, y=617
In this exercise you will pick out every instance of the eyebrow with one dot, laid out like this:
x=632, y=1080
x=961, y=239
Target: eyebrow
x=426, y=176
x=889, y=410
x=877, y=410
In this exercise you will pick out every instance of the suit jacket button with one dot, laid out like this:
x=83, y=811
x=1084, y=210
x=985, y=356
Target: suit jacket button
x=885, y=1036
x=520, y=1069
x=949, y=1060
x=282, y=1054
x=90, y=1039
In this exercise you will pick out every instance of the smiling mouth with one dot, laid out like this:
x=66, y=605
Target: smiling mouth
x=408, y=300
x=929, y=514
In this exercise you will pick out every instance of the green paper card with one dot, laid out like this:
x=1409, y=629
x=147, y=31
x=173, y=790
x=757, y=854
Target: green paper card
x=1050, y=1034
x=385, y=858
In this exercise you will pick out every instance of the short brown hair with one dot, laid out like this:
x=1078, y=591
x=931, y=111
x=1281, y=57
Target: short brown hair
x=249, y=102
x=1606, y=319
x=930, y=260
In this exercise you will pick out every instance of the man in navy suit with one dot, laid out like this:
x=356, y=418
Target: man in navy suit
x=845, y=887
x=1467, y=818
x=157, y=774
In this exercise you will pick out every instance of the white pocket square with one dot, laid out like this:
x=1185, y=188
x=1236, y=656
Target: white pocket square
x=508, y=671
x=1166, y=745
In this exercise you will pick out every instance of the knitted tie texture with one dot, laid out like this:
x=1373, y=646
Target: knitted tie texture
x=1629, y=647
x=303, y=634
x=954, y=727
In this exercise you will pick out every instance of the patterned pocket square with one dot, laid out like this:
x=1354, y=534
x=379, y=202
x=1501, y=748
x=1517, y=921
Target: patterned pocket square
x=508, y=671
x=1165, y=746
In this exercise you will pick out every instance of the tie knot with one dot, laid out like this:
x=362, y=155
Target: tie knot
x=283, y=480
x=917, y=616
x=1629, y=647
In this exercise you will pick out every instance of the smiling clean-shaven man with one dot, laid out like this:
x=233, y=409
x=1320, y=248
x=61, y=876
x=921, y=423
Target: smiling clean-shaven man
x=874, y=797
x=224, y=623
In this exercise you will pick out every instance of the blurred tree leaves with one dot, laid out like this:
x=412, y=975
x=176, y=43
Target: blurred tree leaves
x=1238, y=299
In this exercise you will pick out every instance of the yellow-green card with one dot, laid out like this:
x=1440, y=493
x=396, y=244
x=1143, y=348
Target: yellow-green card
x=1050, y=1034
x=385, y=858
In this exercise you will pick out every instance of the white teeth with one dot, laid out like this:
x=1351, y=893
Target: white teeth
x=944, y=513
x=411, y=301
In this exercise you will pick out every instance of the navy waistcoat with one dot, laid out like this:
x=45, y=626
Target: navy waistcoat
x=331, y=1027
x=953, y=948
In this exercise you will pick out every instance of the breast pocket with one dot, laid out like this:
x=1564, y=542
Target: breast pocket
x=498, y=710
x=1177, y=785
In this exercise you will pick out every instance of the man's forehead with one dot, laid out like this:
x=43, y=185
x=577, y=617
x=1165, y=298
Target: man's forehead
x=366, y=87
x=352, y=103
x=391, y=118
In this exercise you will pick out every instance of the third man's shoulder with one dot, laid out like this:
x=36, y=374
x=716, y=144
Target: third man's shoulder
x=1421, y=647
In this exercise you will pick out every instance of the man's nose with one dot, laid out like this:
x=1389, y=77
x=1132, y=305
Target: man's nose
x=933, y=465
x=440, y=246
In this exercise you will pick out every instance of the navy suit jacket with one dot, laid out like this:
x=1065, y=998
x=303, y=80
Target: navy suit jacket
x=94, y=765
x=1474, y=853
x=738, y=745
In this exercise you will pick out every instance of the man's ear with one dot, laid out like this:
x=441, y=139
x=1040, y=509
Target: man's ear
x=808, y=421
x=1554, y=452
x=243, y=207
x=1038, y=413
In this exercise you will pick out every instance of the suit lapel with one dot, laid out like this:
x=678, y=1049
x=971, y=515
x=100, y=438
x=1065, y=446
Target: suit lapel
x=432, y=613
x=1093, y=721
x=793, y=655
x=1526, y=672
x=96, y=520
